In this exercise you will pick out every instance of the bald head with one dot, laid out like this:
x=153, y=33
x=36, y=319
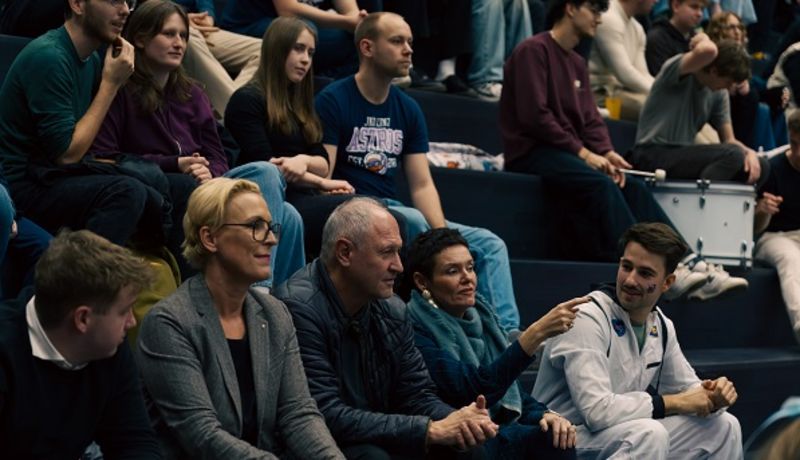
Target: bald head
x=371, y=26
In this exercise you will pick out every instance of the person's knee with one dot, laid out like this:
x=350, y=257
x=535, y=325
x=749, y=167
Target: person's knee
x=729, y=429
x=265, y=170
x=481, y=241
x=126, y=191
x=652, y=435
x=733, y=155
x=605, y=191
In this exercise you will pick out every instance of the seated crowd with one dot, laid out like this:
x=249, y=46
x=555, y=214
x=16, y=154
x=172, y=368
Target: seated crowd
x=111, y=126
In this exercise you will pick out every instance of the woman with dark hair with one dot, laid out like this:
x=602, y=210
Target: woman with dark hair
x=468, y=354
x=166, y=118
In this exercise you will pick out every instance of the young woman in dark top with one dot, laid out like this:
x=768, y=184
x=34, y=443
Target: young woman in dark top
x=273, y=119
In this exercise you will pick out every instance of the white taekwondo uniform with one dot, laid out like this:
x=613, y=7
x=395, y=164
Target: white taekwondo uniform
x=595, y=376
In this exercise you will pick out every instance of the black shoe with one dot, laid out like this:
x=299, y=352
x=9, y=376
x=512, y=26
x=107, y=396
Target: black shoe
x=456, y=85
x=423, y=82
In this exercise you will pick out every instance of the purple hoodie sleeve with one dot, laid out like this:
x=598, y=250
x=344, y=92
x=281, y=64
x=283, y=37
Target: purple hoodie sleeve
x=211, y=145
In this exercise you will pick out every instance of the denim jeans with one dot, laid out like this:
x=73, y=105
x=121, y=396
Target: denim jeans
x=497, y=27
x=23, y=252
x=491, y=262
x=6, y=220
x=289, y=255
x=18, y=256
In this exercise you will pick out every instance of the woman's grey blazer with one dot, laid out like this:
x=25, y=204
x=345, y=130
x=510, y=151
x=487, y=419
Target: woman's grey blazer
x=191, y=387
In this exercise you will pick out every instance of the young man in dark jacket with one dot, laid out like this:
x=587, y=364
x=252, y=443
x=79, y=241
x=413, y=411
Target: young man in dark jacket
x=669, y=37
x=67, y=376
x=357, y=343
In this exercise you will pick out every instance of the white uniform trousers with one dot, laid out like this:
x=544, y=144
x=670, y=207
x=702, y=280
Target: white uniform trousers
x=678, y=437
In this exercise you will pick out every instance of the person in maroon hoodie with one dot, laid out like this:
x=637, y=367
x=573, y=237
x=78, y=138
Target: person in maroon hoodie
x=551, y=127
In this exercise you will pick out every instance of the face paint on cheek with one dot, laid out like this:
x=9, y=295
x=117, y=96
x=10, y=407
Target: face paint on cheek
x=651, y=288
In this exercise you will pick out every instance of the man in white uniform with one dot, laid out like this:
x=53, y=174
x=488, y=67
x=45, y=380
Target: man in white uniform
x=619, y=374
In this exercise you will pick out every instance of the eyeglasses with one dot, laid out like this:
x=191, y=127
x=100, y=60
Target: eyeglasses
x=734, y=26
x=260, y=228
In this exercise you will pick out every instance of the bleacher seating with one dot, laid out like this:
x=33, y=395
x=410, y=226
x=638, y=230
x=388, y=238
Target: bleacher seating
x=745, y=336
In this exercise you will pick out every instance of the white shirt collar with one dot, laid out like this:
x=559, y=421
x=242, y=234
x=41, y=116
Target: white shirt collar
x=41, y=346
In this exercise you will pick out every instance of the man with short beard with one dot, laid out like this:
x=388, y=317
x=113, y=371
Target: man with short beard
x=55, y=97
x=619, y=373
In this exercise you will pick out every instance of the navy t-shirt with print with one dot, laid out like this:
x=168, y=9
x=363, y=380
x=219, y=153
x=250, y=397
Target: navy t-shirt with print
x=370, y=139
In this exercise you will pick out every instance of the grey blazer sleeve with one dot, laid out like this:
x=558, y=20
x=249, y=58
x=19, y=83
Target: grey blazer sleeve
x=173, y=374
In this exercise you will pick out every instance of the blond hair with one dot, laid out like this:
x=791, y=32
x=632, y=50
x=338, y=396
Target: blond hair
x=206, y=208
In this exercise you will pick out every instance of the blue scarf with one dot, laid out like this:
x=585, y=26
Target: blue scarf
x=476, y=339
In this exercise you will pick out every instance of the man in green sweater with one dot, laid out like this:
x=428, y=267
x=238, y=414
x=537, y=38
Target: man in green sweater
x=67, y=376
x=55, y=97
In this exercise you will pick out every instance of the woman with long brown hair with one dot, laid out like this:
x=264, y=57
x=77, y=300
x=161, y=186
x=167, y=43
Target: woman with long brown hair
x=273, y=119
x=166, y=118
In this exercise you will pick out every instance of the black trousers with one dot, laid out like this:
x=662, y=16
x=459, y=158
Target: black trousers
x=112, y=206
x=722, y=162
x=588, y=211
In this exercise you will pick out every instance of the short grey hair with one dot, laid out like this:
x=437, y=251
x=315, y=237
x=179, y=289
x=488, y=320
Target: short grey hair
x=352, y=220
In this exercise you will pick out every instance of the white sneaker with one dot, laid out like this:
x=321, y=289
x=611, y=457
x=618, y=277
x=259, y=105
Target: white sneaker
x=489, y=91
x=686, y=281
x=719, y=282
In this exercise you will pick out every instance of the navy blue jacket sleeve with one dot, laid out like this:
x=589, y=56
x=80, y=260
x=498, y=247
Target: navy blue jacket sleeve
x=347, y=424
x=460, y=383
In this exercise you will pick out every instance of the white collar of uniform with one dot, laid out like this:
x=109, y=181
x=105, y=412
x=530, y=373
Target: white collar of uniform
x=41, y=346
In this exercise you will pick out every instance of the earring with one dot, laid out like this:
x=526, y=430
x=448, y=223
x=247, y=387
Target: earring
x=426, y=294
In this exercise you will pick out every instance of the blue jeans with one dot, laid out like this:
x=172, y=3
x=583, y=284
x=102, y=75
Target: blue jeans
x=23, y=253
x=491, y=262
x=18, y=256
x=497, y=27
x=6, y=220
x=289, y=255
